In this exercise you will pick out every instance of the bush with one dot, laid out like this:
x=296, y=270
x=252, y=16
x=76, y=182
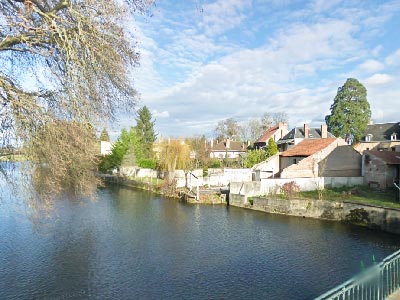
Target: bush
x=215, y=163
x=290, y=189
x=254, y=157
x=205, y=171
x=148, y=163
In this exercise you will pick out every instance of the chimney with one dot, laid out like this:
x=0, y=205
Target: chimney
x=324, y=131
x=248, y=143
x=306, y=131
x=228, y=143
x=212, y=143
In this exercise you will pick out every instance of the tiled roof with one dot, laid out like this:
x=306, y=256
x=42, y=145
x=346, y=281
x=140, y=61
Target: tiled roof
x=382, y=132
x=267, y=135
x=308, y=147
x=234, y=146
x=298, y=132
x=389, y=157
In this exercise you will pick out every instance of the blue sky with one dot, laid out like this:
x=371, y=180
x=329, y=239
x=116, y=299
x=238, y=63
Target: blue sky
x=204, y=61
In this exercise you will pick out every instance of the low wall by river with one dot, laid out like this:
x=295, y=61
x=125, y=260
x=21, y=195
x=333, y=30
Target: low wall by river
x=273, y=186
x=386, y=219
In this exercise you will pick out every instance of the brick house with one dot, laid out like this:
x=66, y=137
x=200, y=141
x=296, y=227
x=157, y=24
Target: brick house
x=298, y=134
x=227, y=149
x=383, y=136
x=328, y=157
x=276, y=133
x=381, y=168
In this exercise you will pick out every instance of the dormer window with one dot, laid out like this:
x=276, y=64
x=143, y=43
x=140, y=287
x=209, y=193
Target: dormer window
x=368, y=137
x=393, y=137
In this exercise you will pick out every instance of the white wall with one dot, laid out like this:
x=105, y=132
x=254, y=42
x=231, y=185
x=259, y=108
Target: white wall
x=105, y=147
x=267, y=186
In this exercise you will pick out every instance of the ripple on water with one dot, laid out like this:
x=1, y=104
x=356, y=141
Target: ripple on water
x=133, y=245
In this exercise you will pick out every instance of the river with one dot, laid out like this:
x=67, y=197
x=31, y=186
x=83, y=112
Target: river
x=132, y=244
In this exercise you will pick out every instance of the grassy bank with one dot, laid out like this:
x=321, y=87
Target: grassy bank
x=360, y=194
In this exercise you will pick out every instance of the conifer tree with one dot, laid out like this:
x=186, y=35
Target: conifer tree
x=145, y=130
x=104, y=136
x=272, y=148
x=350, y=111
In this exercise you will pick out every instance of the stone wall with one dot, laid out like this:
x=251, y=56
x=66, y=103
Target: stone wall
x=382, y=218
x=309, y=166
x=342, y=161
x=377, y=173
x=268, y=168
x=273, y=186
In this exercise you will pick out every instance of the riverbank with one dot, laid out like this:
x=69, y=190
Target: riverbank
x=160, y=187
x=372, y=216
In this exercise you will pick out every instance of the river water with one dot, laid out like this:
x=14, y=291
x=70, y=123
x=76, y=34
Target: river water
x=132, y=244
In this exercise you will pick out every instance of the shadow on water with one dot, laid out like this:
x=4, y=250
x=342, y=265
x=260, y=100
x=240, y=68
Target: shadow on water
x=132, y=244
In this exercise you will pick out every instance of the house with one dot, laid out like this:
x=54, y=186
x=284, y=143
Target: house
x=328, y=157
x=105, y=147
x=383, y=136
x=298, y=134
x=276, y=133
x=227, y=149
x=381, y=168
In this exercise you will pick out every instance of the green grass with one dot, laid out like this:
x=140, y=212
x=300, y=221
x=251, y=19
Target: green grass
x=360, y=194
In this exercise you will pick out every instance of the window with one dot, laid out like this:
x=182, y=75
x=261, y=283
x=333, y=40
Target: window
x=294, y=160
x=368, y=137
x=393, y=137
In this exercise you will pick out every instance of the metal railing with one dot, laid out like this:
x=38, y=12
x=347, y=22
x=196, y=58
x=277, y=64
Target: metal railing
x=374, y=283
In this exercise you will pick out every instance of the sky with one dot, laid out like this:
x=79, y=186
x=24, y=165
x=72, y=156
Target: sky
x=205, y=61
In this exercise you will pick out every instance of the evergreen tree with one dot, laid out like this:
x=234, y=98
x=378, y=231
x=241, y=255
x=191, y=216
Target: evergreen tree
x=272, y=148
x=127, y=150
x=350, y=111
x=104, y=137
x=145, y=130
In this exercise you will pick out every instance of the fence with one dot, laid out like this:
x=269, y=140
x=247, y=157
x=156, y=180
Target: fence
x=375, y=283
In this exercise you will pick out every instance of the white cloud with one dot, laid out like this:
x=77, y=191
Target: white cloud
x=378, y=79
x=202, y=75
x=222, y=15
x=393, y=59
x=163, y=114
x=371, y=66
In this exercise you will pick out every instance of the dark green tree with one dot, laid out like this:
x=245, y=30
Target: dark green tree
x=127, y=150
x=104, y=136
x=272, y=148
x=350, y=111
x=145, y=130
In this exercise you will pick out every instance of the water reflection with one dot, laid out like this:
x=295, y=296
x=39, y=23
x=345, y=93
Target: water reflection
x=134, y=245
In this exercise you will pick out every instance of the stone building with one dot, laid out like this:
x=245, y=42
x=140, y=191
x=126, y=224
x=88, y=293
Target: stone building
x=227, y=149
x=298, y=134
x=381, y=168
x=276, y=133
x=383, y=136
x=330, y=157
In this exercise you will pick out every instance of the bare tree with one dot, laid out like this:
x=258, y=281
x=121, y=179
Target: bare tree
x=75, y=55
x=268, y=120
x=251, y=130
x=227, y=129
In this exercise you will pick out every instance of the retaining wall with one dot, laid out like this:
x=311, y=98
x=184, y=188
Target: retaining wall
x=386, y=219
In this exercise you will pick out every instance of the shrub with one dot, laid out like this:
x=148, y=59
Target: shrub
x=215, y=163
x=290, y=189
x=148, y=163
